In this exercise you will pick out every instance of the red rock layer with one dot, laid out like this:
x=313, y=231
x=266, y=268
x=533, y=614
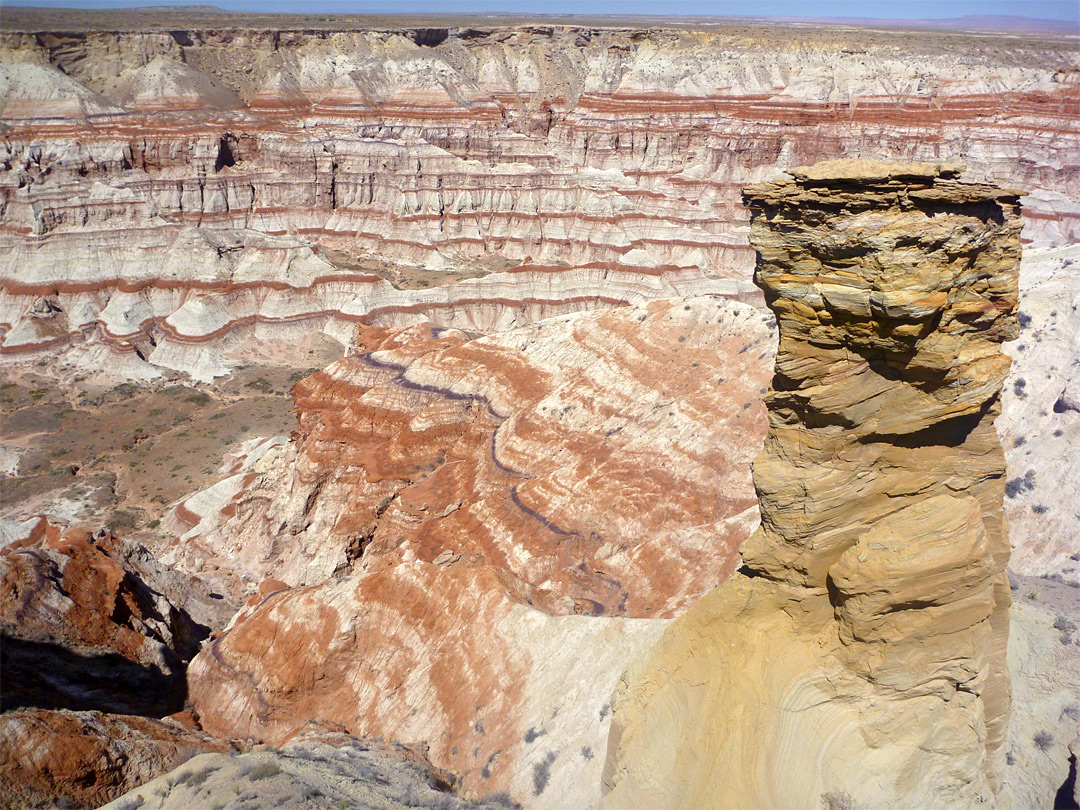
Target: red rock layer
x=609, y=148
x=88, y=758
x=87, y=624
x=453, y=502
x=580, y=455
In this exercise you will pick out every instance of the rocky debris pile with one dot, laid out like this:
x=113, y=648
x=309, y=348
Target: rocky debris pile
x=317, y=770
x=88, y=758
x=867, y=631
x=93, y=622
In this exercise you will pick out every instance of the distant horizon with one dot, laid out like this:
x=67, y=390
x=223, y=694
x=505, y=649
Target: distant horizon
x=1057, y=11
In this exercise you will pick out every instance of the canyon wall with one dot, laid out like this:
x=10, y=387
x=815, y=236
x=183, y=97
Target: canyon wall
x=469, y=539
x=171, y=197
x=530, y=243
x=590, y=157
x=866, y=632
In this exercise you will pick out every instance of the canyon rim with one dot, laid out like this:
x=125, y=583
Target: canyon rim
x=380, y=400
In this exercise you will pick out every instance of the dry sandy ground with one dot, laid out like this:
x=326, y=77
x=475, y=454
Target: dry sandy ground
x=119, y=456
x=1044, y=659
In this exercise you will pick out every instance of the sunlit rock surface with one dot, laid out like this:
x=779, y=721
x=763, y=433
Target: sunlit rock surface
x=182, y=200
x=451, y=504
x=88, y=758
x=867, y=632
x=595, y=154
x=92, y=622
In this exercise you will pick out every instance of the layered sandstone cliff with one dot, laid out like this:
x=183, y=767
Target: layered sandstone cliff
x=172, y=196
x=174, y=200
x=597, y=155
x=478, y=534
x=859, y=654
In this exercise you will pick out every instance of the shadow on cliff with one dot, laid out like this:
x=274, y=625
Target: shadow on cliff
x=39, y=674
x=1065, y=798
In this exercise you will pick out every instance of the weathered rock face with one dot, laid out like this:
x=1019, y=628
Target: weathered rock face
x=447, y=507
x=596, y=155
x=867, y=632
x=91, y=622
x=319, y=770
x=581, y=456
x=66, y=758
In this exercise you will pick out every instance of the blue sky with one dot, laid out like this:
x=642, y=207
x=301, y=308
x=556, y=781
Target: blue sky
x=880, y=9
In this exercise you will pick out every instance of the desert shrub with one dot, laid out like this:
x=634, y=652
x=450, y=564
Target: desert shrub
x=838, y=800
x=542, y=772
x=195, y=778
x=122, y=519
x=198, y=398
x=264, y=770
x=1043, y=740
x=1024, y=318
x=533, y=734
x=586, y=752
x=297, y=376
x=1024, y=483
x=261, y=384
x=1064, y=624
x=1066, y=627
x=504, y=800
x=444, y=801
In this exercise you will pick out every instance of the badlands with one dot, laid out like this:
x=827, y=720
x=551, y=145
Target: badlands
x=537, y=413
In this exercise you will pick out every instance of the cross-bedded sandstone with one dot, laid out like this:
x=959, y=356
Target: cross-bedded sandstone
x=862, y=650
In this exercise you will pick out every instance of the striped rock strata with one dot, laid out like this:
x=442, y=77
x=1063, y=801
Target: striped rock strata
x=616, y=150
x=447, y=508
x=192, y=303
x=859, y=656
x=85, y=759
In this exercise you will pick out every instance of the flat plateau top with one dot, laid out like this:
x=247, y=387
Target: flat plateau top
x=936, y=181
x=41, y=20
